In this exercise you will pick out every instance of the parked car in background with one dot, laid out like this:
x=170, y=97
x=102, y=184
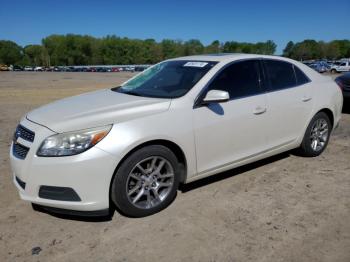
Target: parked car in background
x=28, y=68
x=139, y=68
x=91, y=69
x=115, y=69
x=66, y=68
x=123, y=146
x=308, y=63
x=77, y=69
x=38, y=68
x=341, y=67
x=4, y=67
x=344, y=82
x=17, y=68
x=100, y=69
x=325, y=64
x=321, y=68
x=129, y=69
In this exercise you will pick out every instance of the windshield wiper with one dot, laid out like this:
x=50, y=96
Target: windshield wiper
x=133, y=93
x=128, y=92
x=115, y=89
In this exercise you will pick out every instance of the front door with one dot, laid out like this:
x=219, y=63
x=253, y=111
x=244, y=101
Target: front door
x=234, y=130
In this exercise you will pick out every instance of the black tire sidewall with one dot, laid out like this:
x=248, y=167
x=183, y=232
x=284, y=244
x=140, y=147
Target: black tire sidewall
x=118, y=189
x=306, y=148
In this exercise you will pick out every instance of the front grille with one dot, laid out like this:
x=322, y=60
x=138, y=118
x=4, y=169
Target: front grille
x=19, y=151
x=24, y=133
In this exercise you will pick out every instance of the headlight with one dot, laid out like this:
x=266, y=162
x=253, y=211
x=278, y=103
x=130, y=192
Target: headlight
x=72, y=143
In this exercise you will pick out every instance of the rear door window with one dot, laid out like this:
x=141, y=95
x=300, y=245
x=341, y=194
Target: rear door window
x=280, y=74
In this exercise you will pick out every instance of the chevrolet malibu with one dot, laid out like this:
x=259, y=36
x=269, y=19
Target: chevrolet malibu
x=129, y=147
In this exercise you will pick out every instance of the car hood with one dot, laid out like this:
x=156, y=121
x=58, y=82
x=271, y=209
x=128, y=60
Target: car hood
x=95, y=109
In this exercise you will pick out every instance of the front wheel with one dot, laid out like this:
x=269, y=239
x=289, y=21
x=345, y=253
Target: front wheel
x=316, y=136
x=146, y=182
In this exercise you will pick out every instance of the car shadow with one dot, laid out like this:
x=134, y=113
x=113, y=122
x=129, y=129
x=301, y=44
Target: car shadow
x=216, y=108
x=182, y=188
x=231, y=173
x=81, y=218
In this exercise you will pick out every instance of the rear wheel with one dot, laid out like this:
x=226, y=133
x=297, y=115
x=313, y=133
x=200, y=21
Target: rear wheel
x=146, y=182
x=316, y=136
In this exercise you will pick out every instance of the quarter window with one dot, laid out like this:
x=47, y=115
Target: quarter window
x=281, y=74
x=301, y=77
x=241, y=79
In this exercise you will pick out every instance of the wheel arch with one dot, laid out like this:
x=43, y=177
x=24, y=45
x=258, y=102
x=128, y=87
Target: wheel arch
x=325, y=110
x=329, y=113
x=175, y=148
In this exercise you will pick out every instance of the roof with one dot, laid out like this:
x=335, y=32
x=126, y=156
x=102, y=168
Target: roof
x=221, y=57
x=228, y=57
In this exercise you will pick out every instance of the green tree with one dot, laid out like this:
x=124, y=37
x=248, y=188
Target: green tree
x=72, y=49
x=193, y=47
x=232, y=47
x=343, y=47
x=36, y=55
x=214, y=47
x=10, y=52
x=332, y=51
x=265, y=48
x=171, y=48
x=307, y=49
x=287, y=51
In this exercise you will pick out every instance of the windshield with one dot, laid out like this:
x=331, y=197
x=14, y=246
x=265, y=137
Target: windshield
x=169, y=79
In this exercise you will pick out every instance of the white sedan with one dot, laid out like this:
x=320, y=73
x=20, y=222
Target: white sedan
x=181, y=120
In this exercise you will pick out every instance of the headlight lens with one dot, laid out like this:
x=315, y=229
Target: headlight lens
x=72, y=143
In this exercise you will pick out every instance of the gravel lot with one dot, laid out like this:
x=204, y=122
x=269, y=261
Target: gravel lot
x=285, y=208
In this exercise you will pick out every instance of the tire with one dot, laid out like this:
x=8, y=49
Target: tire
x=333, y=71
x=146, y=182
x=316, y=136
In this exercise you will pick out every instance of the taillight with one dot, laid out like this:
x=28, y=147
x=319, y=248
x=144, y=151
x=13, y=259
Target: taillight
x=340, y=84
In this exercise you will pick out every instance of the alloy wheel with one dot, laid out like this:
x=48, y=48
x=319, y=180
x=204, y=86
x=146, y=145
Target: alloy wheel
x=150, y=182
x=319, y=134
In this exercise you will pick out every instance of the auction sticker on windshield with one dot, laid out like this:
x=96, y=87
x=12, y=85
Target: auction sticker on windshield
x=196, y=64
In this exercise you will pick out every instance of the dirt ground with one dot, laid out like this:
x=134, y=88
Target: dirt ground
x=285, y=208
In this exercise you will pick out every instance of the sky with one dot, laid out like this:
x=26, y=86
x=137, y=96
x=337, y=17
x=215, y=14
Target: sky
x=27, y=22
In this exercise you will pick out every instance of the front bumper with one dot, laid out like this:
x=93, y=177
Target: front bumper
x=88, y=174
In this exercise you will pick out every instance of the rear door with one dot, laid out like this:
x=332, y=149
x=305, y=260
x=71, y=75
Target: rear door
x=290, y=101
x=234, y=130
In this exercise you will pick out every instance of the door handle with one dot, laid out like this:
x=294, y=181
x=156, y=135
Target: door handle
x=259, y=110
x=306, y=98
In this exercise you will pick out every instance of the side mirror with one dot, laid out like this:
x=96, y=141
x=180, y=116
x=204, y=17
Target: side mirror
x=216, y=96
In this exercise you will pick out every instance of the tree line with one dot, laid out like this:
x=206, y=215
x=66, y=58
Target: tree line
x=311, y=49
x=72, y=49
